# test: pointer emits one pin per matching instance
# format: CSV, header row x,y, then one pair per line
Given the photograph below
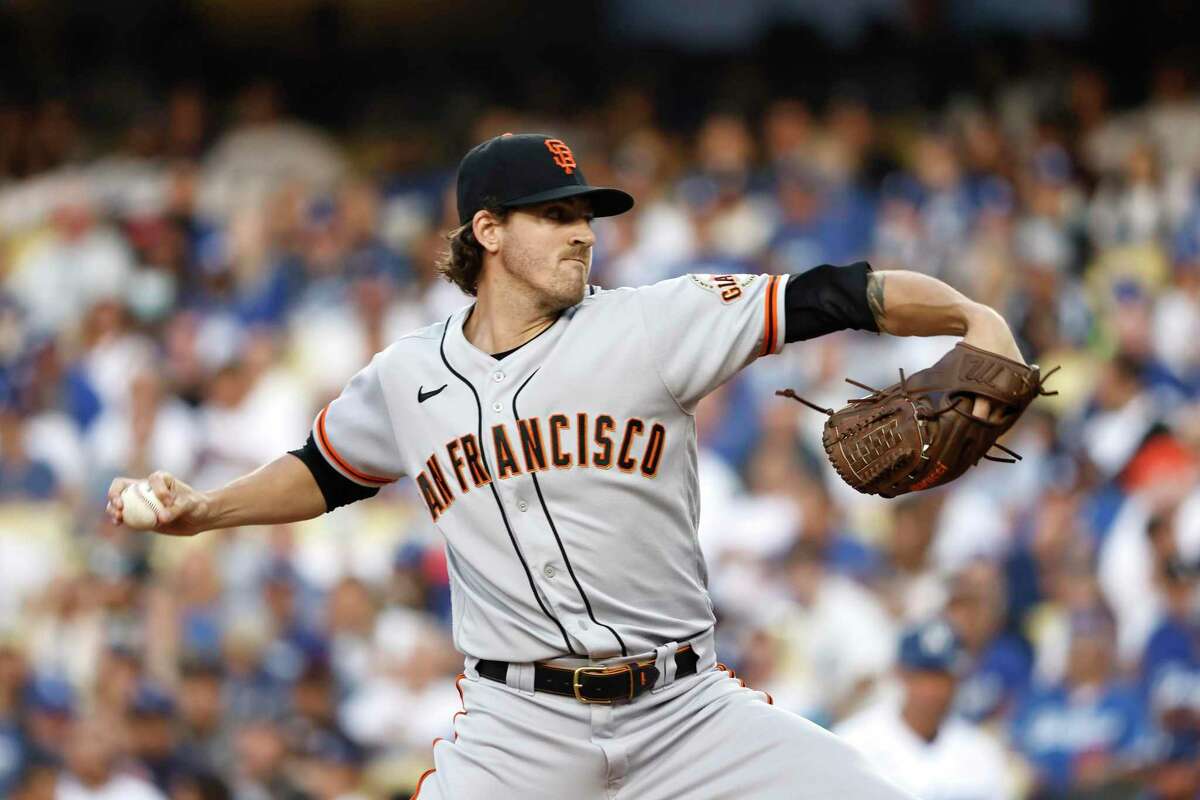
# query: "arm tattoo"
x,y
875,297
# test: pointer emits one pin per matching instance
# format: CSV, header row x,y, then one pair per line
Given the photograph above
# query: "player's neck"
x,y
502,321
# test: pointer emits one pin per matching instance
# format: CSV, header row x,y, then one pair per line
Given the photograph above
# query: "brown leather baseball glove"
x,y
920,432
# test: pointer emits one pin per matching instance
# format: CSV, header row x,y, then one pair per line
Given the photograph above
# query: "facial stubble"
x,y
554,286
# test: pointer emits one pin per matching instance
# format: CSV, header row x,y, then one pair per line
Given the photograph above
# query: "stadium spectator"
x,y
918,742
911,586
837,640
1085,732
21,477
261,768
38,780
404,703
153,744
205,738
332,769
12,679
1175,774
185,282
1175,640
350,614
49,706
200,786
1001,663
91,769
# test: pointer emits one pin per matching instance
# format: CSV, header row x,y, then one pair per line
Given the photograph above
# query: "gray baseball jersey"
x,y
563,476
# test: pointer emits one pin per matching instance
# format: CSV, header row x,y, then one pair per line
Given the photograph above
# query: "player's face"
x,y
548,249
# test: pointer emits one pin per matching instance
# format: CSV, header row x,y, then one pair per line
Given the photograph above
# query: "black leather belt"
x,y
595,684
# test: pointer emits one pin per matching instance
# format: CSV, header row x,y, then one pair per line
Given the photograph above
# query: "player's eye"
x,y
563,213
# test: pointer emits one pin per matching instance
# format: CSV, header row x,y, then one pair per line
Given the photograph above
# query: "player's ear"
x,y
486,227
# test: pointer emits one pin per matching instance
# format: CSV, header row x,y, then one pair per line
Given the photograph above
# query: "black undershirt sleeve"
x,y
826,299
337,489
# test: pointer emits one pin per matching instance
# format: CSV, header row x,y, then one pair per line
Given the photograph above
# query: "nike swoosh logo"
x,y
422,395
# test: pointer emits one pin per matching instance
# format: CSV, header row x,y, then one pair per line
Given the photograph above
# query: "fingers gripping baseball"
x,y
115,505
161,503
163,484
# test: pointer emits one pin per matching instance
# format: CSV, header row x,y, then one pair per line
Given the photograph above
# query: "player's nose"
x,y
582,234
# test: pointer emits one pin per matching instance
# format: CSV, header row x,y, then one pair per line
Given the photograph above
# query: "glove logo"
x,y
932,478
981,371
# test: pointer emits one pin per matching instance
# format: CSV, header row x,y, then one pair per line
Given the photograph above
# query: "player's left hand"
x,y
987,330
912,436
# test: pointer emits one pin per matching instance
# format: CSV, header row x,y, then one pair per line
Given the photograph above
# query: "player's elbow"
x,y
975,314
920,305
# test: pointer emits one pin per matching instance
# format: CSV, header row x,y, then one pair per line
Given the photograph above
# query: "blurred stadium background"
x,y
212,213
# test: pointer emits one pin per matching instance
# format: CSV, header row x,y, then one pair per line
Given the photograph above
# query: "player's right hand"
x,y
184,508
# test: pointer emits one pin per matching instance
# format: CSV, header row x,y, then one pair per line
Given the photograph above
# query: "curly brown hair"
x,y
462,260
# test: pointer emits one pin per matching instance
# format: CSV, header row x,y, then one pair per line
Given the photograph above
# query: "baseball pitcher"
x,y
549,429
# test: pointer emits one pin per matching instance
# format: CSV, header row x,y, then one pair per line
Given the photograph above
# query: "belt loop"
x,y
469,668
520,677
664,662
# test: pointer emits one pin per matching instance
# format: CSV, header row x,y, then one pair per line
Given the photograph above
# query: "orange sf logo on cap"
x,y
563,156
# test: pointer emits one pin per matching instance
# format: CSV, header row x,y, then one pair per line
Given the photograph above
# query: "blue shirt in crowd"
x,y
1057,728
1000,674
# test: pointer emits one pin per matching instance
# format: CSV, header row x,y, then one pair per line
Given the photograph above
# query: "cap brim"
x,y
606,202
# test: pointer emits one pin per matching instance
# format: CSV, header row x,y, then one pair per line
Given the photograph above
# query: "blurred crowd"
x,y
186,294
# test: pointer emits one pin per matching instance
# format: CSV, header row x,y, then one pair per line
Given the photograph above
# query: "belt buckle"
x,y
576,685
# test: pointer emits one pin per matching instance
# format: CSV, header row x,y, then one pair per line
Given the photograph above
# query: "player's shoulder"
x,y
726,289
597,296
598,301
417,343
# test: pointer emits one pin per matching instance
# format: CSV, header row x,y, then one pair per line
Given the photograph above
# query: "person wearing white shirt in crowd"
x,y
69,265
915,741
90,772
836,640
153,427
402,703
332,769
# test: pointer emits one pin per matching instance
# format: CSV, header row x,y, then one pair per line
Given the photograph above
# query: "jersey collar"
x,y
456,338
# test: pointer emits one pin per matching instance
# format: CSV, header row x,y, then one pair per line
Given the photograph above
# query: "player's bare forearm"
x,y
281,491
911,304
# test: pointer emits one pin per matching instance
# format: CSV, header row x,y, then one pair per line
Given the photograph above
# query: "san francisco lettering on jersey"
x,y
561,441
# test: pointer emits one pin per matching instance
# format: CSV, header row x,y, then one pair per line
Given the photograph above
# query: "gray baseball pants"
x,y
701,737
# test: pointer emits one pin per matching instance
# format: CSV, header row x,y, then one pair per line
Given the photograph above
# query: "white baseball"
x,y
140,508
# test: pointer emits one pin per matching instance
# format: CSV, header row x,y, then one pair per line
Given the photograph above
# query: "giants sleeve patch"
x,y
727,287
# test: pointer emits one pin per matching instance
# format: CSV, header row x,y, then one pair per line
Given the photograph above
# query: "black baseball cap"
x,y
524,169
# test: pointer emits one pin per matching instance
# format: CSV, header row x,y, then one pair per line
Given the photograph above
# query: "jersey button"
x,y
497,376
548,571
497,407
523,505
